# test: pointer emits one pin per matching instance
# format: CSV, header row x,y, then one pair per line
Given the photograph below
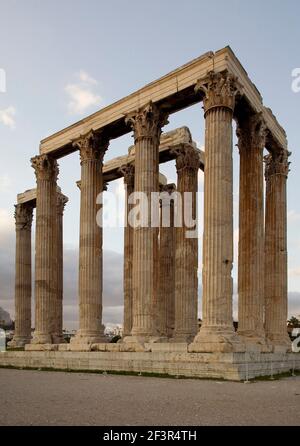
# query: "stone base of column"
x,y
253,340
138,343
41,347
41,338
216,339
88,337
58,339
279,343
19,341
182,337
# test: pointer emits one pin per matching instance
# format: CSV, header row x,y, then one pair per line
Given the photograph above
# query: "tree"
x,y
294,322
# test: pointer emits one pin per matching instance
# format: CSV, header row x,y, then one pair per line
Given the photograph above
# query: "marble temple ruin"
x,y
160,328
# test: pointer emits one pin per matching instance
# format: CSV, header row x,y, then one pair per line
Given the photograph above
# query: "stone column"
x,y
217,332
58,307
128,173
276,172
23,217
251,132
146,124
92,147
166,268
186,258
46,171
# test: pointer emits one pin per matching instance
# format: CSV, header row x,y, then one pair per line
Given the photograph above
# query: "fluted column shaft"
x,y
128,172
217,333
186,257
92,148
166,267
58,305
251,133
277,168
146,124
46,171
23,217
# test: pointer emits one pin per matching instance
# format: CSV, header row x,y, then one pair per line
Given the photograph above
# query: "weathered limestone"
x,y
165,306
217,333
128,173
58,306
46,171
186,257
229,366
276,172
160,286
146,123
251,132
92,147
23,217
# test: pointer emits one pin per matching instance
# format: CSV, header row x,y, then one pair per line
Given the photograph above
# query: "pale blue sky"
x,y
65,59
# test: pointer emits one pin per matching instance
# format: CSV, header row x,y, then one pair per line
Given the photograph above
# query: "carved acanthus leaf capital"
x,y
92,146
252,133
147,122
127,170
167,190
23,216
61,202
187,157
220,90
277,164
45,167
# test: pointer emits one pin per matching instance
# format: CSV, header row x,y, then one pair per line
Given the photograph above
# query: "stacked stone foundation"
x,y
172,360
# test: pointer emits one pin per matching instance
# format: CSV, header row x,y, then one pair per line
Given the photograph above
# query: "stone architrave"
x,y
217,332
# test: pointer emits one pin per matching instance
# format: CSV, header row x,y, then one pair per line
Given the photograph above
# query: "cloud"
x,y
293,216
294,272
5,183
6,224
7,117
85,77
81,94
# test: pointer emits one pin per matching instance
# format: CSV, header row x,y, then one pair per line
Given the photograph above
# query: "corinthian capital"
x,y
23,216
62,200
147,122
220,90
186,158
251,132
170,188
277,164
45,167
92,146
127,170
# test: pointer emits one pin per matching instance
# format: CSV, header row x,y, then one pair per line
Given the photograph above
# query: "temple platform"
x,y
177,362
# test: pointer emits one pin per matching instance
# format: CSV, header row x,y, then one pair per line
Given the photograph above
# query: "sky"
x,y
64,59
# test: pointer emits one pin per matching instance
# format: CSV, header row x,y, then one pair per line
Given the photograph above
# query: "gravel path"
x,y
58,398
